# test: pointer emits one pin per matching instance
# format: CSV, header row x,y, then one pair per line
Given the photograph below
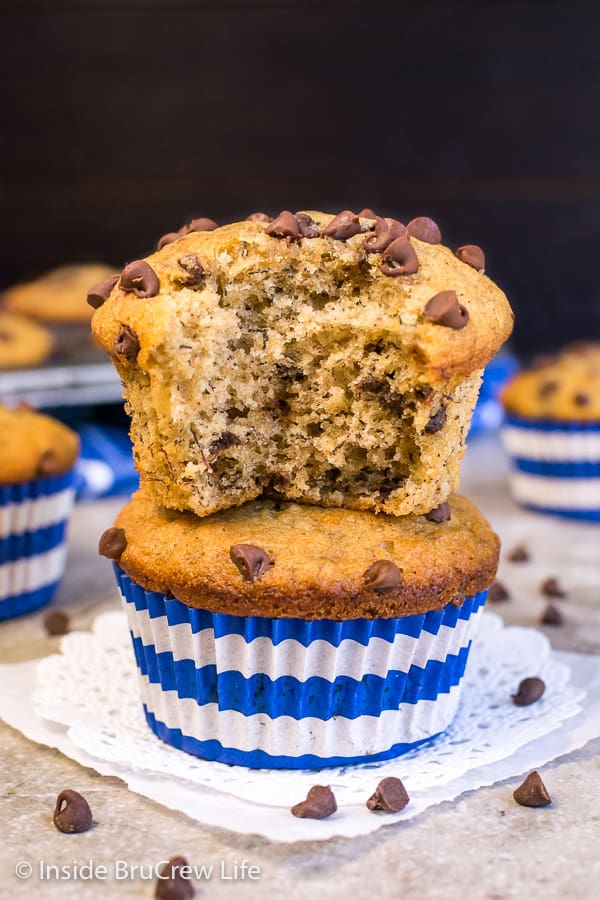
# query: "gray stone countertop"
x,y
481,845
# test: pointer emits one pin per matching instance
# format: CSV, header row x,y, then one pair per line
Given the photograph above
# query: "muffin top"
x,y
22,342
435,304
565,387
288,560
33,445
59,295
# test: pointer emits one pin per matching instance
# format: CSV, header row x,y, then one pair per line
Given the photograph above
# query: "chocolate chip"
x,y
252,562
529,690
224,442
343,226
139,278
532,792
367,213
49,464
552,588
498,593
444,309
168,238
284,226
552,615
72,813
319,803
424,229
200,224
399,258
441,513
436,421
56,622
519,554
383,576
472,255
194,271
259,217
390,796
127,343
171,883
112,543
100,291
386,231
547,388
308,226
581,399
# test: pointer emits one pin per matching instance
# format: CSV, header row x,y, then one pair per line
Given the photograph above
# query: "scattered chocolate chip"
x,y
498,593
139,278
224,442
343,226
319,803
49,464
529,690
436,421
390,796
72,813
424,229
519,554
284,226
386,231
444,309
441,513
112,543
171,884
252,562
383,576
532,792
259,217
308,226
127,343
472,255
552,588
194,271
547,388
552,615
367,213
56,622
399,258
581,399
100,291
168,238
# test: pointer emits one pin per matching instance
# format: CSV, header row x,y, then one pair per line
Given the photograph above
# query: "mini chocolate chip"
x,y
390,796
127,343
552,615
436,421
171,884
49,464
224,442
252,562
308,226
498,593
547,388
200,224
284,226
72,813
194,271
139,278
343,226
386,231
441,513
56,622
112,543
399,258
168,238
259,217
367,213
424,229
581,399
529,690
519,554
319,803
100,291
552,588
472,255
383,576
532,792
444,309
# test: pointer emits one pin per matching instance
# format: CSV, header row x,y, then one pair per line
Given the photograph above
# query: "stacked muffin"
x,y
301,588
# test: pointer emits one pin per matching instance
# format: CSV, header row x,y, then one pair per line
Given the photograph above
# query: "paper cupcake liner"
x,y
555,466
290,693
33,522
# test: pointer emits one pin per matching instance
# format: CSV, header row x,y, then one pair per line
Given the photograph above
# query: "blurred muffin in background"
x,y
552,433
22,342
59,296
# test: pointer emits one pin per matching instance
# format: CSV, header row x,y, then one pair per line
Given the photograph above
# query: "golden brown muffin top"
x,y
59,295
565,386
33,445
22,342
291,560
455,335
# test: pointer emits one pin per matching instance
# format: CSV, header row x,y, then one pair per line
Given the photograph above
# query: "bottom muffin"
x,y
301,637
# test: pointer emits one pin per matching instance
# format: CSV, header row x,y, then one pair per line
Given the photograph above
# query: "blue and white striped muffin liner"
x,y
555,466
33,523
296,694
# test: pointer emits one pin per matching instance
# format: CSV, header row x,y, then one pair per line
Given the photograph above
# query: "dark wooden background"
x,y
123,119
